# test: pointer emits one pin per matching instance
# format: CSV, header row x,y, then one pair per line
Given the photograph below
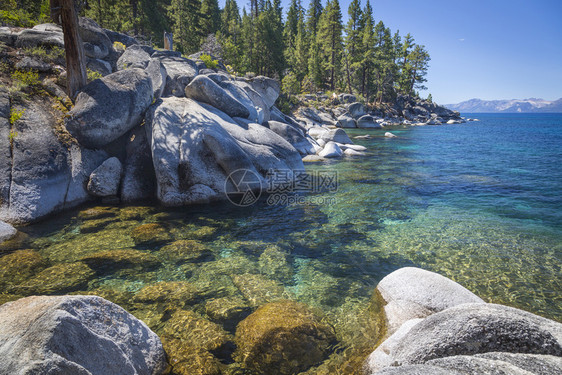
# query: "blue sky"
x,y
494,49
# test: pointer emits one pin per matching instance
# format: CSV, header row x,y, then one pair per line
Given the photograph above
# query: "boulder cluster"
x,y
436,326
155,125
345,111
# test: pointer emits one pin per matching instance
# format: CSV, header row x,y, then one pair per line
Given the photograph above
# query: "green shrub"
x,y
118,46
15,116
93,75
26,78
52,55
209,62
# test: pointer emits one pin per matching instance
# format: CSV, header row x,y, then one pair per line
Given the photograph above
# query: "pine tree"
x,y
330,41
313,16
418,64
353,43
299,62
185,16
368,51
404,65
210,17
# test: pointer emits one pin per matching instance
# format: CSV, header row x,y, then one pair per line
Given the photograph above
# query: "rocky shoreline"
x,y
160,125
433,326
193,124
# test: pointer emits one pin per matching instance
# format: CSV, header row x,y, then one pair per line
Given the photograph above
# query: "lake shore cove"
x,y
155,125
433,326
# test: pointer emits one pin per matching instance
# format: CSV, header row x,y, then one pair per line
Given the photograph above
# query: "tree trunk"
x,y
348,74
75,58
55,11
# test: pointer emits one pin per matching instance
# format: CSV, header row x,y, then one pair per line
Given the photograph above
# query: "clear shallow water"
x,y
479,202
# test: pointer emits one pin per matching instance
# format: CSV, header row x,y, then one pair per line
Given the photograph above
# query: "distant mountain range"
x,y
531,105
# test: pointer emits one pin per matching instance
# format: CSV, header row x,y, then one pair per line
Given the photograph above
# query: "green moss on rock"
x,y
284,337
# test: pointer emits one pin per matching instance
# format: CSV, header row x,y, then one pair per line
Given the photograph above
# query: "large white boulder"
x,y
109,107
331,150
75,335
195,147
411,292
205,90
467,330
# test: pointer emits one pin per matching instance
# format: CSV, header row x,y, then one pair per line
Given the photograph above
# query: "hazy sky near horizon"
x,y
493,49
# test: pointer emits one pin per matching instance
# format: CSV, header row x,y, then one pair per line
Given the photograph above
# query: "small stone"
x,y
7,232
105,179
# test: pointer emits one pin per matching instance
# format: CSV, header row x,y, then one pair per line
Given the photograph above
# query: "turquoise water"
x,y
479,202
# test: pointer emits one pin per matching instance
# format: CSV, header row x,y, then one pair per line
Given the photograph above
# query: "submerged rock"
x,y
187,359
19,266
188,327
185,251
107,260
58,279
150,234
177,293
78,335
283,337
258,289
227,310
